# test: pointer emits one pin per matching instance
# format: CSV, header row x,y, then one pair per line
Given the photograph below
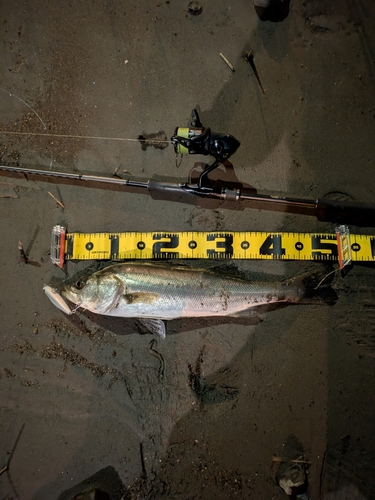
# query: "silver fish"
x,y
157,292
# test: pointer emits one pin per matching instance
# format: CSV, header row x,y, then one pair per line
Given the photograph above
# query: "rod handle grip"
x,y
346,212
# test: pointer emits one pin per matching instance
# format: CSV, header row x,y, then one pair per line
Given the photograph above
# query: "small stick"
x,y
115,174
279,459
3,470
6,468
227,62
157,354
249,57
56,200
22,253
144,472
19,67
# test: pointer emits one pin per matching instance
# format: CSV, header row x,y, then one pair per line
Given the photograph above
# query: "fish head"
x,y
83,292
98,293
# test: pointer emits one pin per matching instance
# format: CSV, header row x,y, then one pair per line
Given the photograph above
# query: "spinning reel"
x,y
197,139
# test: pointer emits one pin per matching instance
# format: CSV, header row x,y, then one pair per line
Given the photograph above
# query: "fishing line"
x,y
25,103
88,137
326,276
68,136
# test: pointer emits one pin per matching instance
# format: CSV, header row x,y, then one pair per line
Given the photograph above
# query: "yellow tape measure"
x,y
342,246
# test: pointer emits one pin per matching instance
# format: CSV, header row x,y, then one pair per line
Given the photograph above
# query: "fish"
x,y
154,292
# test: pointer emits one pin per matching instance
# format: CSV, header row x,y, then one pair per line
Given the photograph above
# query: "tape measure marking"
x,y
214,245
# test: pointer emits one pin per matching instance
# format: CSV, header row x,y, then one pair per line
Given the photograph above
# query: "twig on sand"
x,y
17,70
6,468
227,62
279,459
157,354
24,257
3,470
15,445
249,57
56,200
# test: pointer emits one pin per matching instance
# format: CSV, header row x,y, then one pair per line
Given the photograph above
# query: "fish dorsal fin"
x,y
153,326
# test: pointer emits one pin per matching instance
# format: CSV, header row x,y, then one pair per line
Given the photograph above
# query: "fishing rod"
x,y
197,139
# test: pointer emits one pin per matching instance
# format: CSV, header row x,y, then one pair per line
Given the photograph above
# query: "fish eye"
x,y
80,284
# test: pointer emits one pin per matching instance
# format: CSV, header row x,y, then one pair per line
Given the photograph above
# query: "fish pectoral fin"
x,y
153,326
